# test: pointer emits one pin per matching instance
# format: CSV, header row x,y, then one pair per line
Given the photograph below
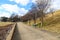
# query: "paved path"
x,y
24,32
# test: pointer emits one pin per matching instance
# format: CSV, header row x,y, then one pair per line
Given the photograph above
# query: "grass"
x,y
52,28
5,23
5,29
51,23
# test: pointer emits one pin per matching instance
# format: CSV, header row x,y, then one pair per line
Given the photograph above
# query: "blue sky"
x,y
21,7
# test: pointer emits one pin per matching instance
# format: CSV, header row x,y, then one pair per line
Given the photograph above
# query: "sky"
x,y
55,5
20,7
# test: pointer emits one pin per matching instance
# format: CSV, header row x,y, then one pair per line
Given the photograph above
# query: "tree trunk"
x,y
52,15
42,21
35,21
35,15
29,22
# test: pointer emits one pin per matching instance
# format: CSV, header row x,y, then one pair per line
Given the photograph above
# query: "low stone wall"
x,y
11,33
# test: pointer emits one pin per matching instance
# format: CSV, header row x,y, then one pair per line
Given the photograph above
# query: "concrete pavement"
x,y
24,32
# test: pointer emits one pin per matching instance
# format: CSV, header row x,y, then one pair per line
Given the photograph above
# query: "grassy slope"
x,y
53,24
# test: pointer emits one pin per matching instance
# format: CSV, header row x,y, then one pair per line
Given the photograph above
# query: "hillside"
x,y
52,23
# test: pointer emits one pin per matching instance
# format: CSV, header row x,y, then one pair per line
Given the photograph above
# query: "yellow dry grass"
x,y
54,26
52,23
5,23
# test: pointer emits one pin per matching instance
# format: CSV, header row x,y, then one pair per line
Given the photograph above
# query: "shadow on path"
x,y
16,34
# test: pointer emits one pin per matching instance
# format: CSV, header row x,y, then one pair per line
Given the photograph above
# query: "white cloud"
x,y
34,1
22,2
10,0
12,9
23,11
55,4
6,14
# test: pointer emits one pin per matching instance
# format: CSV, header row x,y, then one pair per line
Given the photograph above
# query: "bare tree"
x,y
34,13
42,5
14,18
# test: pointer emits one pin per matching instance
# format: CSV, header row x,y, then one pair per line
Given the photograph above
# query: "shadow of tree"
x,y
16,34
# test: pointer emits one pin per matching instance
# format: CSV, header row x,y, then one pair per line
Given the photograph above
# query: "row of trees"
x,y
38,10
12,18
